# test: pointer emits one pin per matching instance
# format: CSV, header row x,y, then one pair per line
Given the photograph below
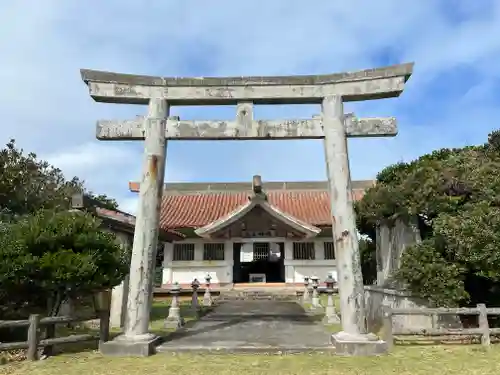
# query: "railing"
x,y
34,340
484,330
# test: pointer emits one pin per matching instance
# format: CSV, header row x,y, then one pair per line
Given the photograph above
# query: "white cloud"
x,y
87,157
45,106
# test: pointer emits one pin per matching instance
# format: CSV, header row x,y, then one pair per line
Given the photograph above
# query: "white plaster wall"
x,y
185,275
319,270
184,272
296,270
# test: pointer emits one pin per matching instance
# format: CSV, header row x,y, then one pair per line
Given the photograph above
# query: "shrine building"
x,y
272,232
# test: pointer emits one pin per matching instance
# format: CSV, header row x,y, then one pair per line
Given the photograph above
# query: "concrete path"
x,y
252,326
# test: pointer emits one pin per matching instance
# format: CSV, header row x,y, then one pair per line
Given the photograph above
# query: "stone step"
x,y
257,295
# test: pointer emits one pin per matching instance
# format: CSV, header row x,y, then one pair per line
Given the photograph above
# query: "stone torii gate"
x,y
333,125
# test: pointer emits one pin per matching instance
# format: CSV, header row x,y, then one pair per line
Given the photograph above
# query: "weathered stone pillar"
x,y
119,304
119,294
351,291
136,339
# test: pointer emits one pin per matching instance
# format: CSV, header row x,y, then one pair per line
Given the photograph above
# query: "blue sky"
x,y
452,99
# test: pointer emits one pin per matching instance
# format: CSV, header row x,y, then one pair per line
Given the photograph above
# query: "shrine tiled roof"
x,y
194,208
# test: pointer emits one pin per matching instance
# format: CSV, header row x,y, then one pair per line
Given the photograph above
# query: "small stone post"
x,y
315,296
174,319
306,297
207,297
331,316
195,306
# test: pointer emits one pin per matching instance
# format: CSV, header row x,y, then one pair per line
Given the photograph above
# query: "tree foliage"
x,y
455,193
49,252
368,260
50,255
28,184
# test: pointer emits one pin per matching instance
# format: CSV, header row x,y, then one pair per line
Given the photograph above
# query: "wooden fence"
x,y
484,330
34,340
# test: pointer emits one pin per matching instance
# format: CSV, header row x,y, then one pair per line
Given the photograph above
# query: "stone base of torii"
x,y
331,91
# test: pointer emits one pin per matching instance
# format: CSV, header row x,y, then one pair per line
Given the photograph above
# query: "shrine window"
x,y
213,251
183,252
304,251
329,250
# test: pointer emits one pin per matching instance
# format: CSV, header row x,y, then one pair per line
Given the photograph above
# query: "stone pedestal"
x,y
306,297
347,344
135,346
309,294
174,319
195,306
315,303
331,316
207,297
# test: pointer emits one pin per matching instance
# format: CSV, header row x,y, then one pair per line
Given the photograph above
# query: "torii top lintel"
x,y
379,83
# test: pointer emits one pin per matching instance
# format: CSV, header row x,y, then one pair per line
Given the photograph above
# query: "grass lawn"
x,y
159,312
403,360
442,360
323,299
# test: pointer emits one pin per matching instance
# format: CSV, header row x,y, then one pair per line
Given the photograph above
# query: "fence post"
x,y
104,307
387,335
104,315
483,324
50,333
33,337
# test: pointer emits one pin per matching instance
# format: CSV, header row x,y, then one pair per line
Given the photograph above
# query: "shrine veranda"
x,y
332,125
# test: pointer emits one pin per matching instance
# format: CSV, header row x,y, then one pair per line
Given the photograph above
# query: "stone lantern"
x,y
195,285
207,297
330,283
315,296
306,297
331,316
174,319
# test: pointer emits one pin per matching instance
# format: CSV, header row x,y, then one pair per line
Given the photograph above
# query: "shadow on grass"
x,y
158,314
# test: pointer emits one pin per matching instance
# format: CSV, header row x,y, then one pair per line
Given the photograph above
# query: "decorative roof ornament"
x,y
257,190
